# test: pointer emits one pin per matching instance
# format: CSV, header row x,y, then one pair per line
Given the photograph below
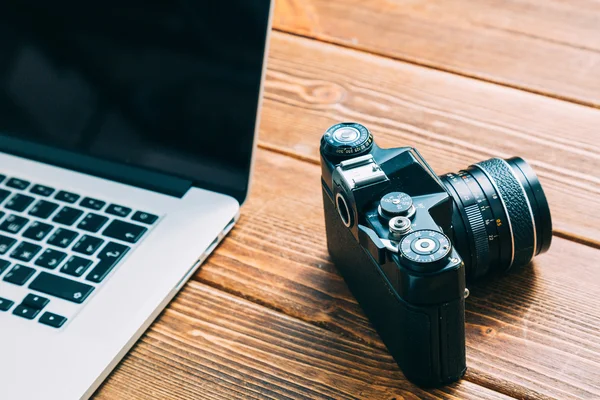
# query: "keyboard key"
x,y
62,238
117,210
37,230
113,251
35,301
19,274
17,183
94,204
53,320
50,258
67,216
67,197
3,266
60,287
26,312
4,194
19,202
92,222
6,243
124,231
88,245
109,256
2,177
25,251
144,217
5,304
13,224
42,190
43,209
76,266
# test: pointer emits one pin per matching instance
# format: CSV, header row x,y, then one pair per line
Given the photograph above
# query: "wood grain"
x,y
269,317
453,121
211,345
534,333
550,47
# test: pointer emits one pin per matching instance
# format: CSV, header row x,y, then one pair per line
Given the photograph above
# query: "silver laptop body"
x,y
127,132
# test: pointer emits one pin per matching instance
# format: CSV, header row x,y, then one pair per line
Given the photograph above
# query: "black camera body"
x,y
392,229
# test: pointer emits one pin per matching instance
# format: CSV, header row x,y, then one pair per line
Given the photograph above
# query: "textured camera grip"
x,y
514,199
428,343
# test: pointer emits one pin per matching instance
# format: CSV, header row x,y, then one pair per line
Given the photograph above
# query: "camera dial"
x,y
425,250
396,204
347,140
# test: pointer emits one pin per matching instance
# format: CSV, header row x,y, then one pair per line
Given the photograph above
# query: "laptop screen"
x,y
170,86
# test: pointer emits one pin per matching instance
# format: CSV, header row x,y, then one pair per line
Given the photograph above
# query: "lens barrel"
x,y
501,217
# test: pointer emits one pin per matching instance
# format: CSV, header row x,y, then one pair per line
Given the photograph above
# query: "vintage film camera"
x,y
406,240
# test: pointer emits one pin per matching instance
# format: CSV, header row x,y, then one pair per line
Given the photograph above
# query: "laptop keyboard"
x,y
59,246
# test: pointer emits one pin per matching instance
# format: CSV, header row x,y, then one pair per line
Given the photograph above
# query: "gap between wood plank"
x,y
311,160
506,388
476,377
536,37
422,64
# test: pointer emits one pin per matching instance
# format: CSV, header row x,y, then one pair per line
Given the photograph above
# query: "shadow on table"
x,y
498,301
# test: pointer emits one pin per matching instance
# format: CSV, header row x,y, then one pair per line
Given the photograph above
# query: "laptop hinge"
x,y
114,171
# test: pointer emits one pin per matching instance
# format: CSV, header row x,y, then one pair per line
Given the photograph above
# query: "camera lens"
x,y
501,217
347,140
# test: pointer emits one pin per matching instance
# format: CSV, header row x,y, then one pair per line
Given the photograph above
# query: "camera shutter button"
x,y
396,204
399,226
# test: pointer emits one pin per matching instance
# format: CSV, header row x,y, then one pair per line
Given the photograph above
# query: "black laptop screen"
x,y
171,86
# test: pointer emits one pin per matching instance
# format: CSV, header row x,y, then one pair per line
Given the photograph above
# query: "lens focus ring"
x,y
482,248
518,209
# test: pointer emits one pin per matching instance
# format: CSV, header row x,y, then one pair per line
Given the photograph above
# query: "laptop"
x,y
127,132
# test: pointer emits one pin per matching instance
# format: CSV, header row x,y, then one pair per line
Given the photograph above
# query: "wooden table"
x,y
268,316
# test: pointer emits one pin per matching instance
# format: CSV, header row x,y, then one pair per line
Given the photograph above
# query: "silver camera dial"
x,y
425,249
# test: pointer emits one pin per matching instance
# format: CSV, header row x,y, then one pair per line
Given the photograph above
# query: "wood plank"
x,y
533,334
453,121
549,46
211,345
530,334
